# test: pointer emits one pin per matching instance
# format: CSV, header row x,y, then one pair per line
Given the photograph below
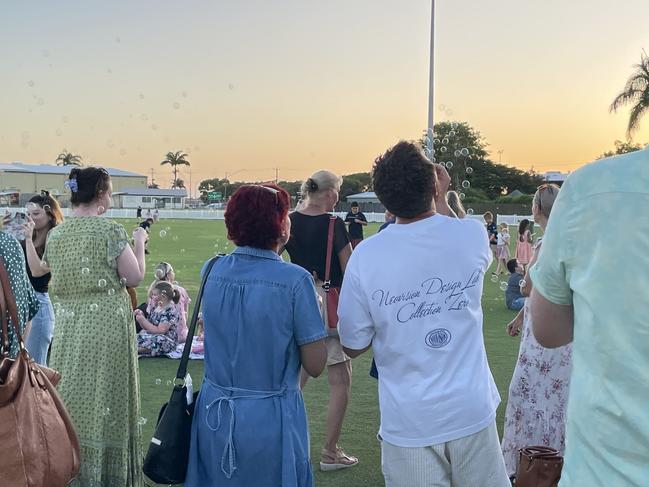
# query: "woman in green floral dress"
x,y
94,344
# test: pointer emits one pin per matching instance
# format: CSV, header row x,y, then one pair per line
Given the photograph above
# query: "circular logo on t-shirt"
x,y
438,338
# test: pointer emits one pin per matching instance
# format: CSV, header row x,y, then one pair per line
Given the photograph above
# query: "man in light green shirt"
x,y
592,281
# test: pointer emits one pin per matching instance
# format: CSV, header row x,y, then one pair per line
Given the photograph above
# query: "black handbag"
x,y
168,454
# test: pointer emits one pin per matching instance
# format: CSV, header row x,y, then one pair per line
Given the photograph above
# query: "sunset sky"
x,y
249,86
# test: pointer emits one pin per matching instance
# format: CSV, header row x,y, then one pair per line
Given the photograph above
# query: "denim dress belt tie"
x,y
228,459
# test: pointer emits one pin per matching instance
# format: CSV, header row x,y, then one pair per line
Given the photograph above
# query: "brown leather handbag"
x,y
538,466
38,444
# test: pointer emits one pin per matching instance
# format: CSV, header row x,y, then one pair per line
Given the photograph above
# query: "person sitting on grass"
x,y
513,297
165,272
158,335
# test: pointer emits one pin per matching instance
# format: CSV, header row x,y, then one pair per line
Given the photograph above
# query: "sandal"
x,y
337,460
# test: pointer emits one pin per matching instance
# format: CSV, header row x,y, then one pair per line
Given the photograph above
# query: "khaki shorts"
x,y
335,354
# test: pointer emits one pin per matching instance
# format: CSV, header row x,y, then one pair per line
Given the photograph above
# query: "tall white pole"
x,y
431,79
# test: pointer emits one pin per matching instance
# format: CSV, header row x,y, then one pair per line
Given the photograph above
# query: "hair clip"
x,y
72,185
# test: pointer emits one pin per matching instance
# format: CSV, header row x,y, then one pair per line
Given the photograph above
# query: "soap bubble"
x,y
169,383
426,140
122,281
111,292
176,105
503,286
449,165
443,149
469,211
59,132
182,251
454,125
230,86
427,152
464,151
102,283
85,271
456,153
466,184
101,209
40,101
167,228
442,107
522,283
462,196
175,238
105,412
494,278
163,233
445,140
94,307
85,260
158,382
469,170
451,133
141,421
31,83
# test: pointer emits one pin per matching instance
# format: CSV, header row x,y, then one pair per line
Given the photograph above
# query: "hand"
x,y
140,235
28,228
356,220
443,180
513,328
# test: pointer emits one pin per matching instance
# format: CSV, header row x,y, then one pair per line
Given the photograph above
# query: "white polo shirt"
x,y
414,292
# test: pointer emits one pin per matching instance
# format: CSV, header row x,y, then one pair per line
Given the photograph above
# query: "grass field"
x,y
187,244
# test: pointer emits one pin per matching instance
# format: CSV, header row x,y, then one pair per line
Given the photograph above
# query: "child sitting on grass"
x,y
513,297
158,335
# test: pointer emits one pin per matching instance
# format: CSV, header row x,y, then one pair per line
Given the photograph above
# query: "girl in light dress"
x,y
159,330
502,249
165,273
524,243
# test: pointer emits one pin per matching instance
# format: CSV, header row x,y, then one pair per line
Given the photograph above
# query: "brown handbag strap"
x,y
330,250
539,452
8,307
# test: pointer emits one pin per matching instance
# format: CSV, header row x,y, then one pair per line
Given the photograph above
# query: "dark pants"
x,y
355,242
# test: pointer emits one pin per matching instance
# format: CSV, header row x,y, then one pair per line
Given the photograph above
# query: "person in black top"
x,y
492,232
146,224
307,248
139,212
43,214
355,220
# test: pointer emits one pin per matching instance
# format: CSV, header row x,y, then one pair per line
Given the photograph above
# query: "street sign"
x,y
214,196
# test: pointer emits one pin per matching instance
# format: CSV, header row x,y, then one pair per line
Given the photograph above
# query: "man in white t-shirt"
x,y
420,311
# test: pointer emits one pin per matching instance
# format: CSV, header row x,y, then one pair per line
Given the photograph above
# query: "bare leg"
x,y
340,382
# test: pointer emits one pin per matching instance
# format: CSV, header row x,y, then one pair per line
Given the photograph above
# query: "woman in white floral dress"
x,y
538,392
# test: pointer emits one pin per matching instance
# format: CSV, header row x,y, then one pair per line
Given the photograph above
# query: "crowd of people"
x,y
579,383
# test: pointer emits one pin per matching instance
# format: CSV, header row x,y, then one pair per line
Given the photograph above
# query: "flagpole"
x,y
431,80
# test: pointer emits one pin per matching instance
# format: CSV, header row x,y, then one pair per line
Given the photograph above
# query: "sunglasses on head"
x,y
540,189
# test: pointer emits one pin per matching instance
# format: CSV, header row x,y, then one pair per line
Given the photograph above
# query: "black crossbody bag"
x,y
168,454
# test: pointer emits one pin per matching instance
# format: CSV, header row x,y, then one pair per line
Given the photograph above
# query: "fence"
x,y
373,217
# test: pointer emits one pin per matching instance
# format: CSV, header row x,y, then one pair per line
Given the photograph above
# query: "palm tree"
x,y
635,93
178,183
174,160
68,159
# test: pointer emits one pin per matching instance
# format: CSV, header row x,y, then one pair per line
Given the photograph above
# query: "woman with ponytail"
x,y
159,335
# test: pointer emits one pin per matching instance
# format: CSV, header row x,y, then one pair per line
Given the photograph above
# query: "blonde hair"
x,y
166,289
455,203
544,198
319,182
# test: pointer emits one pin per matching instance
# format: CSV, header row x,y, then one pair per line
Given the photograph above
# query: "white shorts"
x,y
472,461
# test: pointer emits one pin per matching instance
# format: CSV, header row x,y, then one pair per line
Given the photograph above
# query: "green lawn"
x,y
187,244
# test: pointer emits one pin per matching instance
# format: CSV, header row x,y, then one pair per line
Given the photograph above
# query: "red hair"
x,y
255,214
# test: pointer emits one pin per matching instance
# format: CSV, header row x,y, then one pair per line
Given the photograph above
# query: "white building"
x,y
150,198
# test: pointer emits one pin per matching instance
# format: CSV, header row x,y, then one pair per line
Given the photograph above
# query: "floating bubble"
x,y
464,151
111,292
167,228
169,383
443,149
230,86
454,125
94,307
462,196
427,152
40,101
469,170
451,133
158,382
65,119
25,135
141,96
105,412
426,140
466,184
85,260
469,211
503,286
522,283
182,251
184,94
101,283
445,140
449,113
141,421
85,271
449,165
154,127
175,238
70,314
436,142
494,278
456,153
31,83
144,116
176,105
109,71
46,53
163,233
442,107
101,209
122,281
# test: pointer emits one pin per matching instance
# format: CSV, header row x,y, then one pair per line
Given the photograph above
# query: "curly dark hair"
x,y
90,182
255,214
404,180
